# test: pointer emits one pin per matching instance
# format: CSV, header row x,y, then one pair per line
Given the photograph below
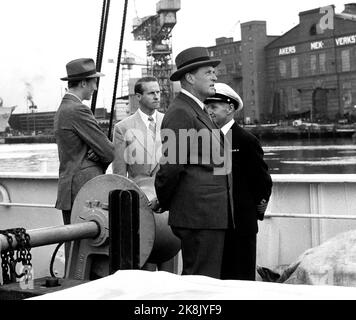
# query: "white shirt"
x,y
201,104
144,117
227,126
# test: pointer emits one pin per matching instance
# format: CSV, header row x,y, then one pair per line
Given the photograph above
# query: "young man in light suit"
x,y
198,199
137,138
137,142
84,150
252,185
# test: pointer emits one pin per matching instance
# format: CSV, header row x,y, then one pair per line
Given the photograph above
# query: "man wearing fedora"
x,y
197,198
252,185
84,151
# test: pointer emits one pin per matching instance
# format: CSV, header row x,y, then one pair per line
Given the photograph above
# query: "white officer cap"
x,y
225,93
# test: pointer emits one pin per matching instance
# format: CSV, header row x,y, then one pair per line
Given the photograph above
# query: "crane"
x,y
156,31
129,60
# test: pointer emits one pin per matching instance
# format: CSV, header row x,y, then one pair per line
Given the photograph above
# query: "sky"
x,y
38,38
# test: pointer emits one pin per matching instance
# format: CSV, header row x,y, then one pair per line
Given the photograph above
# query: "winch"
x,y
112,228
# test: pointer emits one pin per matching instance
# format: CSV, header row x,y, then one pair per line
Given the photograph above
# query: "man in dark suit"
x,y
84,151
188,183
252,185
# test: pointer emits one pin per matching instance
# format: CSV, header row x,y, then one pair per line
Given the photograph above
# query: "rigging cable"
x,y
117,68
100,52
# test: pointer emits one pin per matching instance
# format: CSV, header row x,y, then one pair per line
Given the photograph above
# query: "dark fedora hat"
x,y
190,59
80,69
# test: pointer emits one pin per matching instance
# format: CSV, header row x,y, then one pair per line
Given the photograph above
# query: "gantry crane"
x,y
156,30
129,60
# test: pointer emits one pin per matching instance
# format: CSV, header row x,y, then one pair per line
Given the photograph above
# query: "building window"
x,y
296,100
345,60
322,62
211,53
313,64
282,68
295,67
312,30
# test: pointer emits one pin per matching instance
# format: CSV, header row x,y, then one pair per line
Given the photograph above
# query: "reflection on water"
x,y
282,156
311,156
29,158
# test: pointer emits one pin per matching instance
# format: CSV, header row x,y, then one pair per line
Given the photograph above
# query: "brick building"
x,y
311,69
243,67
308,72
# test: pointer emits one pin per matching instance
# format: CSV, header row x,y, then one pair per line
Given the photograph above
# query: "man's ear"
x,y
189,78
231,108
138,96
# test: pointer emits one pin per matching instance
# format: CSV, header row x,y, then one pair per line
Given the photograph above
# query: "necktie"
x,y
152,126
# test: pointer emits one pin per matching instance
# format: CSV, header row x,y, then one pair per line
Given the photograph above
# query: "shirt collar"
x,y
201,104
227,126
144,117
74,95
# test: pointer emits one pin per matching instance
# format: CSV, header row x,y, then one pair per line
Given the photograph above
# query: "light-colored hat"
x,y
225,93
80,69
190,59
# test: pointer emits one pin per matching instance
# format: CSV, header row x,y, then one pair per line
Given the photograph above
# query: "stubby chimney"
x,y
350,8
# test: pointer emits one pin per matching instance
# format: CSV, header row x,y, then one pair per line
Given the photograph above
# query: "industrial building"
x,y
311,69
243,65
308,72
42,122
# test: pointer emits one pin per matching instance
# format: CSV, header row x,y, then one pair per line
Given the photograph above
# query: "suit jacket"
x,y
76,131
251,180
136,152
195,197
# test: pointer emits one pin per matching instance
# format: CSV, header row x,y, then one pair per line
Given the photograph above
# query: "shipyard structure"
x,y
307,73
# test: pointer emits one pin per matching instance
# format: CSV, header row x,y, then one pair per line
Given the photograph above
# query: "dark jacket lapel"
x,y
202,116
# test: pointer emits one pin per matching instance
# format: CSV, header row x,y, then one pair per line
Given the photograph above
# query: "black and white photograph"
x,y
177,151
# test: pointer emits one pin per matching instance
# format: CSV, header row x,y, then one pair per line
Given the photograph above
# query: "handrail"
x,y
310,216
267,215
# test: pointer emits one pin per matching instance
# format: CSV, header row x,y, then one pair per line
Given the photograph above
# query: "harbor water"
x,y
314,156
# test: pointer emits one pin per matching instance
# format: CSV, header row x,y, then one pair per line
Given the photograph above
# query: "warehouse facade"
x,y
307,73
